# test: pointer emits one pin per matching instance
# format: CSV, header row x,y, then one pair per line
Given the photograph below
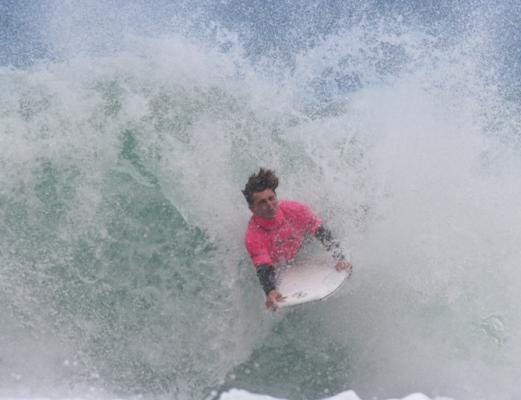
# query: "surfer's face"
x,y
265,204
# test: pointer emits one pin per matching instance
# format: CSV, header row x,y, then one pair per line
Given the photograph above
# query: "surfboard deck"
x,y
308,282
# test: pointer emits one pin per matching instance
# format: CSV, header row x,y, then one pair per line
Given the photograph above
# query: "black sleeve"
x,y
331,244
266,274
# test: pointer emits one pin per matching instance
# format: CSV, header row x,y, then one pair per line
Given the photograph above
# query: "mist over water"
x,y
127,131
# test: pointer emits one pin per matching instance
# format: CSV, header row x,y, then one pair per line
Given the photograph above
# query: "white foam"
x,y
237,394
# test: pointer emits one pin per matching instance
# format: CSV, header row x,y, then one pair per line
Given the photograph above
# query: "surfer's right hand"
x,y
272,298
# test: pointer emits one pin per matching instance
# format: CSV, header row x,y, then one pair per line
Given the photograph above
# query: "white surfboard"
x,y
308,282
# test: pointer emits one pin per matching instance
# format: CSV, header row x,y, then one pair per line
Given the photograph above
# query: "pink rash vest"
x,y
270,241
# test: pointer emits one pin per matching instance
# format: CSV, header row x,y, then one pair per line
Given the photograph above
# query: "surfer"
x,y
277,229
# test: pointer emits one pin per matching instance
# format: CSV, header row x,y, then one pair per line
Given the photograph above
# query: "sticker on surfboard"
x,y
308,282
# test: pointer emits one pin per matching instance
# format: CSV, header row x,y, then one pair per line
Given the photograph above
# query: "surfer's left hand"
x,y
343,265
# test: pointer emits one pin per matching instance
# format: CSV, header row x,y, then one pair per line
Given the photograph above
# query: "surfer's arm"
x,y
333,246
329,242
266,274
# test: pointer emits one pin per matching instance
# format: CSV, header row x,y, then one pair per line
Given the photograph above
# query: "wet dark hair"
x,y
259,182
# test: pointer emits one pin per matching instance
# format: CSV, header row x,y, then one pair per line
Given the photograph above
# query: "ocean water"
x,y
127,130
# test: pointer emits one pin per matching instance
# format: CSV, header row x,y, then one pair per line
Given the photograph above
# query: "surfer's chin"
x,y
271,215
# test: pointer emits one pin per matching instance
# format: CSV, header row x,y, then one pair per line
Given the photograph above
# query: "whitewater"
x,y
128,129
